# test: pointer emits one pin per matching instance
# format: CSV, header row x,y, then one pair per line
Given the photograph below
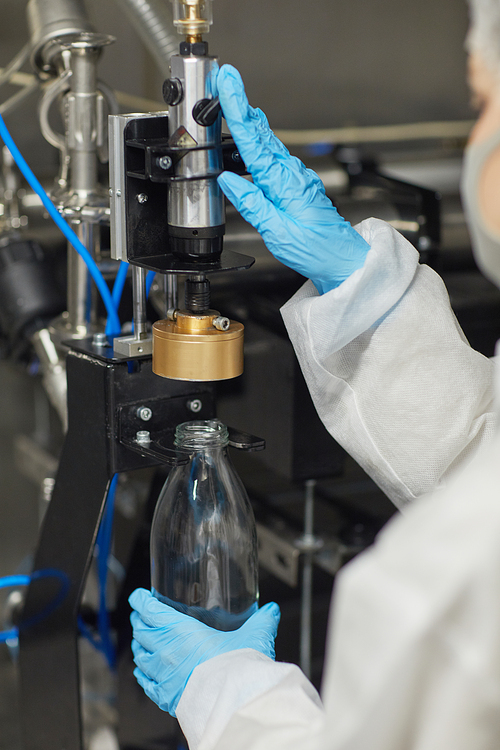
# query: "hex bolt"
x,y
164,162
99,339
144,413
143,437
195,405
222,324
141,198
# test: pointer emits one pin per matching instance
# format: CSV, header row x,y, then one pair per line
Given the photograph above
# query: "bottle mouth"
x,y
201,433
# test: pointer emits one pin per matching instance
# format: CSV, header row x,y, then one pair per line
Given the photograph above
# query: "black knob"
x,y
206,111
172,91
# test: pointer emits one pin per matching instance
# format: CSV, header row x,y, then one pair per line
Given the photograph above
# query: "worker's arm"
x,y
389,370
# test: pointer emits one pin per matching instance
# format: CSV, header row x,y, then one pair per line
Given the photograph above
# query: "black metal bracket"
x,y
150,165
105,401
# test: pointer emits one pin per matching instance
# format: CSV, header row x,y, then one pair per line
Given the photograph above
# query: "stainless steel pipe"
x,y
50,20
153,22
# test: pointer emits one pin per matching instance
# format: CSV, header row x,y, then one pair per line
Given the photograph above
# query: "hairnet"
x,y
484,32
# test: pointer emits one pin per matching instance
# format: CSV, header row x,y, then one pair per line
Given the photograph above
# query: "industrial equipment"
x,y
120,393
167,215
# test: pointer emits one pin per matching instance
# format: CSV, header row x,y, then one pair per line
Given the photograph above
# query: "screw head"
x,y
143,437
141,198
195,405
164,162
236,157
221,323
144,413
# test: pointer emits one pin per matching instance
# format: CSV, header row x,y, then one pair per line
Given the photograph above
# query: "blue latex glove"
x,y
286,202
168,645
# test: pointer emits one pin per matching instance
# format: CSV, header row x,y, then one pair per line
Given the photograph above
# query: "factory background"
x,y
327,65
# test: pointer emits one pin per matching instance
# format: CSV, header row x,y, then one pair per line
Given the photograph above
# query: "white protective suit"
x,y
397,384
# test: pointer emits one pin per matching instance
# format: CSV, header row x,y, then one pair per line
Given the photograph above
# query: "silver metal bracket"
x,y
129,346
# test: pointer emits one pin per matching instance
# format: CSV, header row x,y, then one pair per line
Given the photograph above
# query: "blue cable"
x,y
104,644
113,327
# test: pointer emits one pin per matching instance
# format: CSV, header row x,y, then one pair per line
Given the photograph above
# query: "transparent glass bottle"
x,y
203,537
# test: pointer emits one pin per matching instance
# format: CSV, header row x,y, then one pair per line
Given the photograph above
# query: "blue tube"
x,y
113,327
18,580
150,276
120,279
6,635
7,582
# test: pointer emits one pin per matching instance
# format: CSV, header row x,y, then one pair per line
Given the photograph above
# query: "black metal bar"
x,y
48,658
100,392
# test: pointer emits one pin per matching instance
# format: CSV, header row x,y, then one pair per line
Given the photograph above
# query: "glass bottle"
x,y
203,537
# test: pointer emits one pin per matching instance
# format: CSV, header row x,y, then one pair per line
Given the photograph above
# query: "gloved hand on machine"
x,y
168,645
286,202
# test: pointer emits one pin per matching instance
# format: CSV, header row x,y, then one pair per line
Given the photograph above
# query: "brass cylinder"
x,y
191,348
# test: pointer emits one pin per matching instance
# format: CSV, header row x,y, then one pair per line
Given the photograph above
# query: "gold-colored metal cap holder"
x,y
191,347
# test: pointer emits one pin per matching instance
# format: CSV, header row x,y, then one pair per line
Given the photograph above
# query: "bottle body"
x,y
203,538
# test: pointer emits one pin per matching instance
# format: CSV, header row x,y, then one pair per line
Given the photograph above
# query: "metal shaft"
x,y
171,292
139,301
306,603
77,285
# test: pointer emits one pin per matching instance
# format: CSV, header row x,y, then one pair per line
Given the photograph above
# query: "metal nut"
x,y
143,437
164,162
144,413
141,198
195,405
100,339
222,324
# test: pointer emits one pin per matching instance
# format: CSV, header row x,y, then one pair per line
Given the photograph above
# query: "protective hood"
x,y
485,241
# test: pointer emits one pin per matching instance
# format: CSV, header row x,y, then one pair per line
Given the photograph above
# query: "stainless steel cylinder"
x,y
50,20
83,121
199,203
77,285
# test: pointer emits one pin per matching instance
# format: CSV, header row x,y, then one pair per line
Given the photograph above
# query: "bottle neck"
x,y
202,436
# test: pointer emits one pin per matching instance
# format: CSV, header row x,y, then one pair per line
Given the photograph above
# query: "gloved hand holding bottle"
x,y
286,202
168,645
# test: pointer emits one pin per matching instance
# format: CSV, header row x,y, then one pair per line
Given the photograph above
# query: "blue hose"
x,y
7,635
113,327
150,277
120,279
5,583
10,581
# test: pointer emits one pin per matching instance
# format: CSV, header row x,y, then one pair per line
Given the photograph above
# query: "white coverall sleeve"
x,y
389,369
413,658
